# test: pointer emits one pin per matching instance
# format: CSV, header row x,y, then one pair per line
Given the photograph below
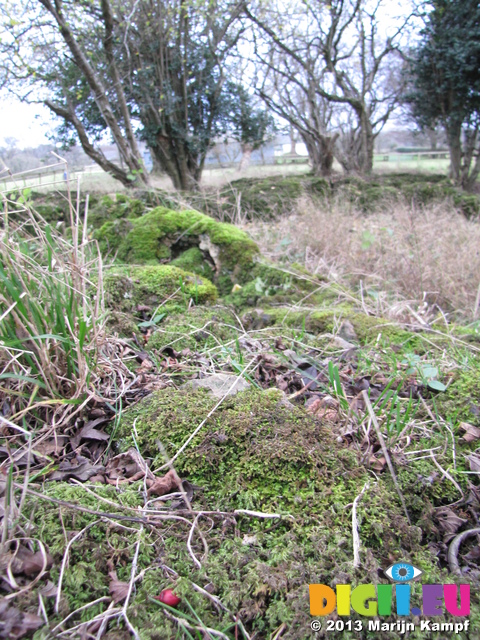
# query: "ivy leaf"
x,y
436,385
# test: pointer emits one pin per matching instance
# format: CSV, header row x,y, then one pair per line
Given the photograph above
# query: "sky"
x,y
27,123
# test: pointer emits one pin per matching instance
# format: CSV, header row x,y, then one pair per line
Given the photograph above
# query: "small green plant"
x,y
427,373
153,322
336,384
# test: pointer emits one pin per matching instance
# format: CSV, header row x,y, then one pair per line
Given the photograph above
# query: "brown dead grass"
x,y
428,255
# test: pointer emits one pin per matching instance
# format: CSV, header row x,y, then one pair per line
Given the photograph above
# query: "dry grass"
x,y
428,255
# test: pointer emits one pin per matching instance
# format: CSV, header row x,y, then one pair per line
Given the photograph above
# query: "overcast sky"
x,y
28,124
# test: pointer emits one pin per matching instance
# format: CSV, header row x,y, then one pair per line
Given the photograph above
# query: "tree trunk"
x,y
246,156
293,142
321,152
367,143
157,168
182,170
454,140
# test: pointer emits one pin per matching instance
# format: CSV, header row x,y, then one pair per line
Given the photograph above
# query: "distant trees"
x,y
445,82
331,71
247,121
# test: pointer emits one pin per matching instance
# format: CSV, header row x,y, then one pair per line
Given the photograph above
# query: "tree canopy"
x,y
445,82
152,70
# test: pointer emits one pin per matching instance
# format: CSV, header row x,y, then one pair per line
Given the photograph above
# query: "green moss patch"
x,y
198,329
259,453
128,287
163,235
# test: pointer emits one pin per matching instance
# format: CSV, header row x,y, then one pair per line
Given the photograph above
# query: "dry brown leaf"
x,y
326,408
50,447
35,563
50,590
377,464
117,589
449,522
79,468
14,624
161,486
128,466
471,433
474,462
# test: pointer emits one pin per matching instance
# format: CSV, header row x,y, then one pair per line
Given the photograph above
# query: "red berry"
x,y
168,597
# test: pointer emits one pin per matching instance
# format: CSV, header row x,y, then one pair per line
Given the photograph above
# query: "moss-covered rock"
x,y
273,284
200,328
193,260
259,453
163,235
128,287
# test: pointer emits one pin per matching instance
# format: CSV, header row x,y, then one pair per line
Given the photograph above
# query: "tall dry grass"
x,y
428,255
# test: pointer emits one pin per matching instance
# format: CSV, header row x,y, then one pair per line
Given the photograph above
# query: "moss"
x,y
256,452
194,260
266,198
461,399
200,328
117,207
163,235
327,319
122,324
127,287
272,284
109,235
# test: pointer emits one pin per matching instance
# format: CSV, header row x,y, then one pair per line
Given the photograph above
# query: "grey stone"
x,y
220,384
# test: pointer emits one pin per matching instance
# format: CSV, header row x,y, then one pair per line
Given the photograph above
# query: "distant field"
x,y
99,181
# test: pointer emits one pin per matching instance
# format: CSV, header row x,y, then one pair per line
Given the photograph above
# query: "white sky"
x,y
27,123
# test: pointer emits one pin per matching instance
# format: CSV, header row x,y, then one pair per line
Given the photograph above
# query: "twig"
x,y
385,452
184,623
85,606
447,475
428,410
356,537
454,548
189,543
130,587
65,560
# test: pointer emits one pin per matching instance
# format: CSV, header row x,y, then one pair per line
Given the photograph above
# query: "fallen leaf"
x,y
377,464
168,483
32,563
50,447
474,462
50,590
89,431
15,624
79,468
449,522
471,433
326,408
117,589
128,466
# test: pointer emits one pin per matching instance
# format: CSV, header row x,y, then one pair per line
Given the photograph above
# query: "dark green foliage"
x,y
251,125
445,81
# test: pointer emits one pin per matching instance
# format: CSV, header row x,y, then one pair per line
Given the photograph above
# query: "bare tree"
x,y
331,71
